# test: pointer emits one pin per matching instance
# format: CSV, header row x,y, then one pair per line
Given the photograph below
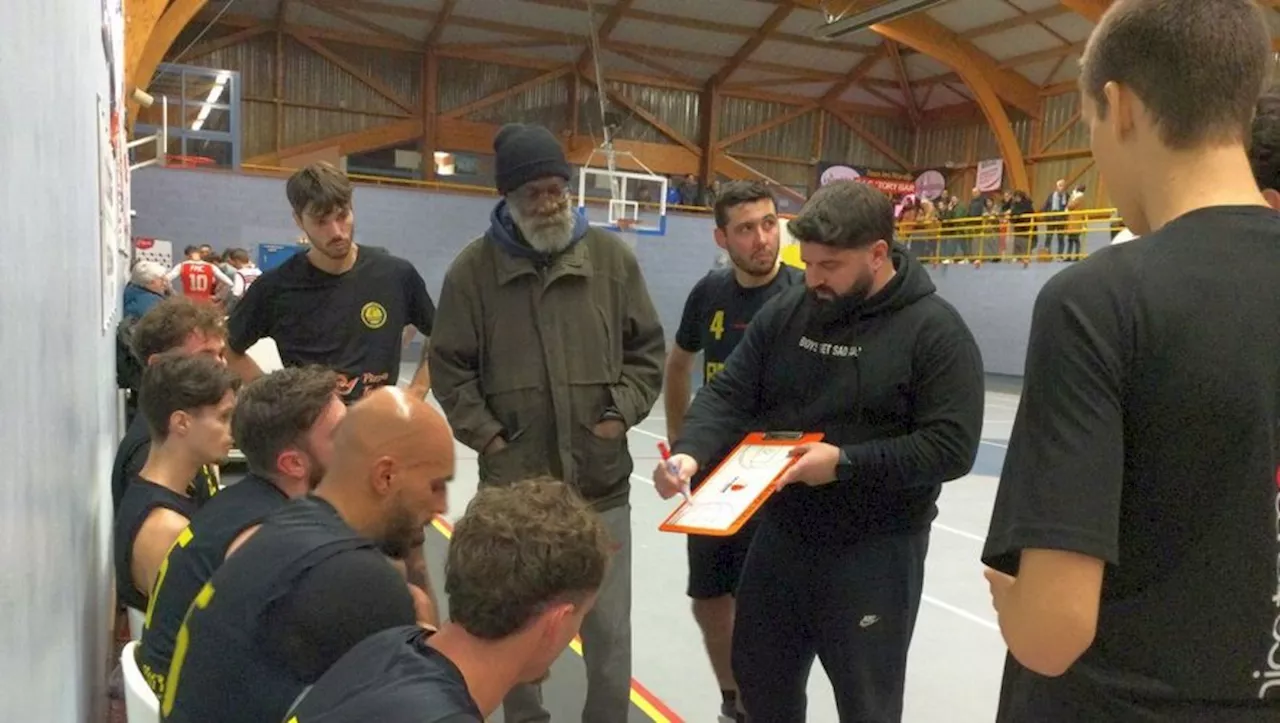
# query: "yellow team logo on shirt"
x,y
373,314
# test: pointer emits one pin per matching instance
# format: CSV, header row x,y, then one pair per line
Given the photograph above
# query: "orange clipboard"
x,y
738,486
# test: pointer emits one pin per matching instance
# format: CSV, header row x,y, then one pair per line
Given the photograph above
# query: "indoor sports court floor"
x,y
956,658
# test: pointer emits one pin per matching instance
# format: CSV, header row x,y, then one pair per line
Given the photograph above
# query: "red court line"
x,y
640,695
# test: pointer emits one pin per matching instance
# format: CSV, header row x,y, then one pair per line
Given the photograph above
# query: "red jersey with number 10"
x,y
198,280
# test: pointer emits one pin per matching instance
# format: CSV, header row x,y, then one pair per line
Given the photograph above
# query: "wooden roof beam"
x,y
157,42
899,69
1090,10
990,84
775,19
446,11
606,28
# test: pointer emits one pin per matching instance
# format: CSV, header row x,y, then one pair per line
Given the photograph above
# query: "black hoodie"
x,y
895,381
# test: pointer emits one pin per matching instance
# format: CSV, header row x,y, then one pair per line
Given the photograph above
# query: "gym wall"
x,y
226,209
57,393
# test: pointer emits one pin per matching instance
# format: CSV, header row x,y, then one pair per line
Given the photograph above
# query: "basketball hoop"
x,y
626,225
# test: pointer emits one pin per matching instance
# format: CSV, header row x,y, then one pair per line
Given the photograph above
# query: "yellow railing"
x,y
1034,236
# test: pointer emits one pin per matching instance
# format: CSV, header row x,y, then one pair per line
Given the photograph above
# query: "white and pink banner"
x,y
990,175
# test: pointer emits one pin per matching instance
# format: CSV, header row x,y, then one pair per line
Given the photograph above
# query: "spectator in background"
x,y
689,191
1076,225
1055,204
1023,228
146,288
1264,147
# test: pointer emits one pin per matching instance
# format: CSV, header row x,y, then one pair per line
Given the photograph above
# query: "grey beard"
x,y
548,236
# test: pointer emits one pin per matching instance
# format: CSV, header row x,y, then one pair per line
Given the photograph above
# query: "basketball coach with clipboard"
x,y
867,354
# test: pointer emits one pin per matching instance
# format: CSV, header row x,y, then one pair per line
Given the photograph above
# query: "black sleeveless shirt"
x,y
141,497
223,670
191,562
390,677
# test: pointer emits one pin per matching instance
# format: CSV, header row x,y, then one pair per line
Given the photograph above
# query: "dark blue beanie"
x,y
524,153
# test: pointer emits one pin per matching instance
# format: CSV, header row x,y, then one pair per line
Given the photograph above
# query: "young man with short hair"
x,y
1133,543
716,315
524,567
284,424
314,579
180,325
339,304
186,402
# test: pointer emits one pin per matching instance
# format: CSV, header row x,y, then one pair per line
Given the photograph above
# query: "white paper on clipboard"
x,y
734,487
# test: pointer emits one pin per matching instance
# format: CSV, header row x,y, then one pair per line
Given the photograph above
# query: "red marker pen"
x,y
672,470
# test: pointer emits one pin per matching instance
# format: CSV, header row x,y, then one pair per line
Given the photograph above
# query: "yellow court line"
x,y
640,697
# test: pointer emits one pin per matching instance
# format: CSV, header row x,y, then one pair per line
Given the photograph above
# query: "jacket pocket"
x,y
602,464
504,467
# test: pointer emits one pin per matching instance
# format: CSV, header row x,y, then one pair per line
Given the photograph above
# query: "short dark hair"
x,y
318,189
275,411
1197,66
1264,142
846,215
178,382
736,193
519,548
167,325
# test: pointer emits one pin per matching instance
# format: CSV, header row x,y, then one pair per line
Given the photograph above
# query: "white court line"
x,y
961,612
647,433
959,533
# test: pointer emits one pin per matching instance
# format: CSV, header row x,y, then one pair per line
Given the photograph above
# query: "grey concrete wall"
x,y
57,394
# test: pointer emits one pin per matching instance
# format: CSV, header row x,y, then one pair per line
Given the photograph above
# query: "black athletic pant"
x,y
852,607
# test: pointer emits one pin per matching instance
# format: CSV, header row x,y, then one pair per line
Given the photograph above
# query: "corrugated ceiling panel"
x,y
254,59
937,146
787,174
1058,109
793,139
396,69
545,105
464,81
632,127
313,79
843,145
257,128
304,125
676,108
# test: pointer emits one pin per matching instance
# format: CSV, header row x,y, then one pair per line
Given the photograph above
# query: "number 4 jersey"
x,y
718,310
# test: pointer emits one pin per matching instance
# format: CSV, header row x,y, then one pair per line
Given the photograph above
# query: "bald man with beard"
x,y
315,578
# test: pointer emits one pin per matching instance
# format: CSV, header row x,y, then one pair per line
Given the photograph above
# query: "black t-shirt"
x,y
131,457
391,677
282,609
352,323
718,310
1149,437
199,551
140,499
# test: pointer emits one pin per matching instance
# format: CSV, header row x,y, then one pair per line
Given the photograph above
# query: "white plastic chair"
x,y
140,702
136,620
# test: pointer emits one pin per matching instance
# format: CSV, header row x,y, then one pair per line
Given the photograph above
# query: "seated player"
x,y
524,567
314,579
284,423
187,403
174,325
